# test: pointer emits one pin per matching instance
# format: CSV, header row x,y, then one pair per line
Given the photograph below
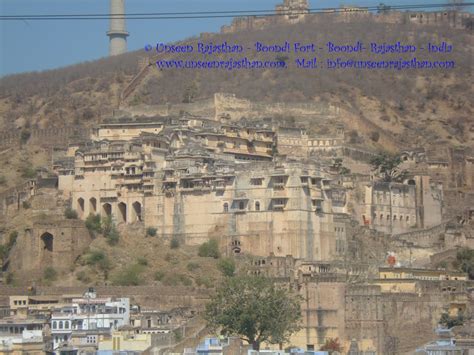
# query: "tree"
x,y
209,249
449,322
227,267
465,261
150,231
93,223
387,168
69,213
255,309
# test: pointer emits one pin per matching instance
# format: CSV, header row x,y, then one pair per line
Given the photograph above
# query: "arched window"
x,y
55,325
226,207
394,217
257,206
60,324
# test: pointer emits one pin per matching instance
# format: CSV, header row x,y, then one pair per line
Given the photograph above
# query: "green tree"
x,y
465,261
150,231
3,180
130,276
25,136
255,309
69,213
93,223
387,168
449,322
227,267
98,259
50,274
209,249
174,244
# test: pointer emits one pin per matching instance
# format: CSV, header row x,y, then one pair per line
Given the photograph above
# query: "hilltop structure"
x,y
260,188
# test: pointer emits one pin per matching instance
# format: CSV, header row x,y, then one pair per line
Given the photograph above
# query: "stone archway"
x,y
92,205
47,248
122,212
137,212
80,206
106,210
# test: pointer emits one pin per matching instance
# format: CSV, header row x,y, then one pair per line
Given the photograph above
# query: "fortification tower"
x,y
117,32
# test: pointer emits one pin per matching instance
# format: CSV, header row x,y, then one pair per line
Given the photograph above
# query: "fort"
x,y
294,11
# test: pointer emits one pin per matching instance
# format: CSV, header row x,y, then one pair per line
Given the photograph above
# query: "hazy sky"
x,y
39,45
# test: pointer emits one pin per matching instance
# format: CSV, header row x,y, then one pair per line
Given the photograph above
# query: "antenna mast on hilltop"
x,y
117,32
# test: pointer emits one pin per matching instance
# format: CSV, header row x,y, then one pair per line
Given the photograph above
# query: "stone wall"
x,y
160,297
46,138
11,200
55,244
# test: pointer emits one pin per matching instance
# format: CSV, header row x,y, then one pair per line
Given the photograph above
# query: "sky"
x,y
40,45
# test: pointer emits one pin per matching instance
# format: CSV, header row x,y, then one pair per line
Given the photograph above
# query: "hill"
x,y
419,107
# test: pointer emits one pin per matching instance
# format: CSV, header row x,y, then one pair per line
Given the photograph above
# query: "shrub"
x,y
172,259
142,261
159,275
27,172
227,267
69,213
3,180
10,278
449,322
465,261
113,236
131,276
171,280
176,279
26,205
192,266
50,274
174,243
204,281
97,258
93,223
178,336
186,281
375,136
150,231
209,249
83,277
25,136
12,240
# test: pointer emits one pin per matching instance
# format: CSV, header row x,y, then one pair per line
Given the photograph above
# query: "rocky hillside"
x,y
422,107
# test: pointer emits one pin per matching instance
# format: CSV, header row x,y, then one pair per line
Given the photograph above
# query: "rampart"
x,y
12,199
46,138
162,297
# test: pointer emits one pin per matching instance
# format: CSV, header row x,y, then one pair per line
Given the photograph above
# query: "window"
x,y
226,207
60,324
55,325
241,205
257,206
